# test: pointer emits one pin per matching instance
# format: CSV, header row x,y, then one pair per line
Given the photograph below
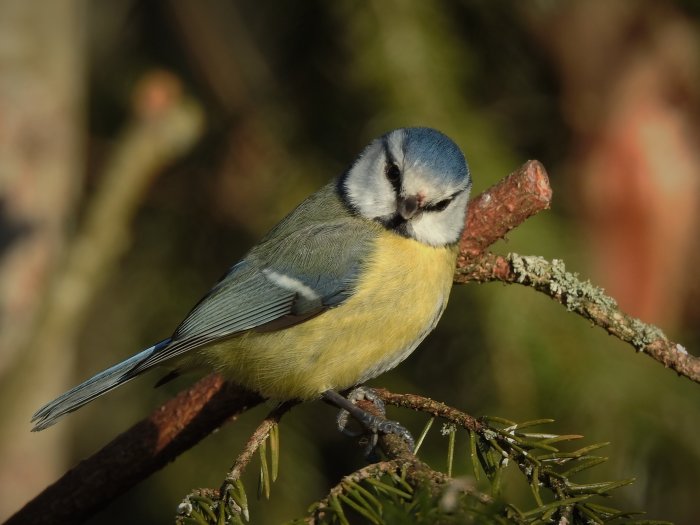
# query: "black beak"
x,y
407,207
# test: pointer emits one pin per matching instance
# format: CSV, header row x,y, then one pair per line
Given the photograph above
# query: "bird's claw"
x,y
373,424
360,393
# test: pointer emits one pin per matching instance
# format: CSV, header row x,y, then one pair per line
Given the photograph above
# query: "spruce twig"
x,y
231,500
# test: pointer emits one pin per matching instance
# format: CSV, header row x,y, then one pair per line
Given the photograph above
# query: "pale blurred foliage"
x,y
604,93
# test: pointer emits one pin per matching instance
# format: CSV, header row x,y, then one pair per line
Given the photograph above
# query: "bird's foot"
x,y
374,424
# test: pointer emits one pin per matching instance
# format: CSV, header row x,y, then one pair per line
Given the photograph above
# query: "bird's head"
x,y
414,181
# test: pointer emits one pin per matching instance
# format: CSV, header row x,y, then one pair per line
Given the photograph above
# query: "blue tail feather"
x,y
93,388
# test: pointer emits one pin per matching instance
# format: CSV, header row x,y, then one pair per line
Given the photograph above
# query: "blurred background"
x,y
145,146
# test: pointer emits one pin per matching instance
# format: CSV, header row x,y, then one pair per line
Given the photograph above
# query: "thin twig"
x,y
510,445
416,472
373,470
585,299
226,496
436,408
255,440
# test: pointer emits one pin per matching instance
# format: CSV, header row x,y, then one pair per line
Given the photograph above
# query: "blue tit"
x,y
342,289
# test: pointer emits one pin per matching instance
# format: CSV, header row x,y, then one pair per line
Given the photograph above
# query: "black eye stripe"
x,y
441,205
438,206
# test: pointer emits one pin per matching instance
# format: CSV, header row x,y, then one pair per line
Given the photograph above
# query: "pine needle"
x,y
424,433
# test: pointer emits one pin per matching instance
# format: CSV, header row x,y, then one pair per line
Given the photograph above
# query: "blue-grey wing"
x,y
283,281
243,299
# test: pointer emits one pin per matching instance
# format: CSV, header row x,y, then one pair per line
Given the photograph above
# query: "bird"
x,y
343,289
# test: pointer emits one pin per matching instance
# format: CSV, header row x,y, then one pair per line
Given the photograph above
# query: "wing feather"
x,y
309,263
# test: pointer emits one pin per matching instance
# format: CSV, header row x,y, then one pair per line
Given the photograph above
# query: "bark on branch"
x,y
134,455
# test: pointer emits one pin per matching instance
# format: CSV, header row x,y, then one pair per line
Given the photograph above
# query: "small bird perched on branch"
x,y
342,289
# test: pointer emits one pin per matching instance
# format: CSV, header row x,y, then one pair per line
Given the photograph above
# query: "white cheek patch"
x,y
370,194
290,283
444,227
432,231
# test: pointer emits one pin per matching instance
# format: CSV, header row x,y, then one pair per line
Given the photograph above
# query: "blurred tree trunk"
x,y
630,74
41,143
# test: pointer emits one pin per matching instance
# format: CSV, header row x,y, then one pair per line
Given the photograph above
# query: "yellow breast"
x,y
400,296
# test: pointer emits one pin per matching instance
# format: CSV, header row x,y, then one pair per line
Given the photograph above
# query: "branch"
x,y
230,502
134,455
504,206
400,462
494,444
585,299
254,442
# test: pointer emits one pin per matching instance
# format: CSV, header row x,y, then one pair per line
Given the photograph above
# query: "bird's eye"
x,y
439,206
393,173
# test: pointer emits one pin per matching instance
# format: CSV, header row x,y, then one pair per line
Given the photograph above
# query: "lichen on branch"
x,y
583,298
